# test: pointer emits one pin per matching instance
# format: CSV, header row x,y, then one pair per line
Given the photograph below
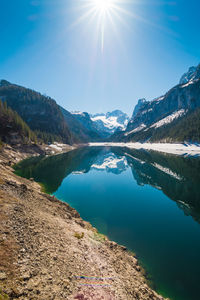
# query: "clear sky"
x,y
55,47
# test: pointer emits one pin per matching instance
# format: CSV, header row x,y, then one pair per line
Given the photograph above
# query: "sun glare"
x,y
102,5
106,14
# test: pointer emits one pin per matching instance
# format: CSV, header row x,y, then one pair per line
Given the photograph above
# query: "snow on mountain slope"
x,y
77,113
169,119
139,128
110,123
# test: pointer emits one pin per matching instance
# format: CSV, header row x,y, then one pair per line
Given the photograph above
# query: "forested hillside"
x,y
82,128
13,129
186,128
41,113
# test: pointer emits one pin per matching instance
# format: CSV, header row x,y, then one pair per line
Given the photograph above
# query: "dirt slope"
x,y
48,252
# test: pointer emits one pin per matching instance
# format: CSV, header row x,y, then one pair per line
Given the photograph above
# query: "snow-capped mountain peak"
x,y
110,121
192,74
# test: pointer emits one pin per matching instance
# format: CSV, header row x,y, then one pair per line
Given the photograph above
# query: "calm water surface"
x,y
147,201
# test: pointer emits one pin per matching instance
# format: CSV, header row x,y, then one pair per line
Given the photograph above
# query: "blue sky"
x,y
152,45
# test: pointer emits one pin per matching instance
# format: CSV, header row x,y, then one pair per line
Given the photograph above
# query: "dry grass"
x,y
1,181
79,235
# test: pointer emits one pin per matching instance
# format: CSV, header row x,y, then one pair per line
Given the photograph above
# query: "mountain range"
x,y
51,122
172,117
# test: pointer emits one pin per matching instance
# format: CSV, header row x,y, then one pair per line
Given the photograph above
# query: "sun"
x,y
102,6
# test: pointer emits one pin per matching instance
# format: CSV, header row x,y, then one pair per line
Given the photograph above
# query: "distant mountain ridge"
x,y
82,127
102,125
163,119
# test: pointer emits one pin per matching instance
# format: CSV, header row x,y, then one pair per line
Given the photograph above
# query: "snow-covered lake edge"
x,y
178,149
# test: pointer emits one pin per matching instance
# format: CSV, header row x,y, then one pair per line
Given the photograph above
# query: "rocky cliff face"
x,y
192,74
179,101
139,105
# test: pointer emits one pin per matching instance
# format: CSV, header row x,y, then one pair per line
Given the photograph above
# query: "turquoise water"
x,y
147,201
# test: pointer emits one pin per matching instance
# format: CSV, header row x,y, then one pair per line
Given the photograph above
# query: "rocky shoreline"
x,y
48,252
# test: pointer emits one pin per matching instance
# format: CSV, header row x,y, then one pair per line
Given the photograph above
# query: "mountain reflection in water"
x,y
178,177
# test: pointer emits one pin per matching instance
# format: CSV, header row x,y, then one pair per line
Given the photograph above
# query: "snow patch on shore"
x,y
58,148
179,149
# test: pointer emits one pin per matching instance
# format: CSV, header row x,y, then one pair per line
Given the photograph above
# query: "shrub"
x,y
3,296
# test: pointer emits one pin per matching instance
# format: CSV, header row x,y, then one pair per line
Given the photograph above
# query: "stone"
x,y
3,276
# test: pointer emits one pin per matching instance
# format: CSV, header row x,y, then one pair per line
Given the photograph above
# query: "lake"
x,y
145,200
